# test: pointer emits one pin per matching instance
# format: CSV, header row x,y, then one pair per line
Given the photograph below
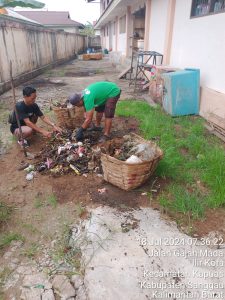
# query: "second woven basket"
x,y
69,117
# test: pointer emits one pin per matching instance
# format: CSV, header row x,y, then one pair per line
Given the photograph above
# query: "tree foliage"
x,y
21,3
88,30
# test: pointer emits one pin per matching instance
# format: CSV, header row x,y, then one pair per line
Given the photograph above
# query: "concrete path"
x,y
136,255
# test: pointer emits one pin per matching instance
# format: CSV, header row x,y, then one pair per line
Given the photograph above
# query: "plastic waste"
x,y
145,152
48,162
133,159
61,149
29,168
70,158
57,169
68,145
30,176
80,151
75,169
41,168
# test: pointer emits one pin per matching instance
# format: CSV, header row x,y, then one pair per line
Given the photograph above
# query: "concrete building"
x,y
189,33
59,20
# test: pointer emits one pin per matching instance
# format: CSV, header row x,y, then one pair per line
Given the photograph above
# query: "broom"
x,y
16,112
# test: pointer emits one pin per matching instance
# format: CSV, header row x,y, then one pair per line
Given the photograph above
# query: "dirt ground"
x,y
36,216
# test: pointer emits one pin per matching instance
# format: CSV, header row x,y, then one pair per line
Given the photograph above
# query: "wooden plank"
x,y
217,120
207,126
219,135
124,73
219,129
216,133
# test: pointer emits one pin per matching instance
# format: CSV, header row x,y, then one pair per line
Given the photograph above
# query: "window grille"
x,y
207,7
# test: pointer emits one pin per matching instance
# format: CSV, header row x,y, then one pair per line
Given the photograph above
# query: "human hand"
x,y
46,133
57,129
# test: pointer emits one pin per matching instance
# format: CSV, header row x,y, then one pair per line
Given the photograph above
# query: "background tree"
x,y
88,30
22,3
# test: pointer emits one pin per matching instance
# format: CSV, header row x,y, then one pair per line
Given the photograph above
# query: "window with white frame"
x,y
122,24
207,7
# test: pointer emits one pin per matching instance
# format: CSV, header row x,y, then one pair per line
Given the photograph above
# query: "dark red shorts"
x,y
109,107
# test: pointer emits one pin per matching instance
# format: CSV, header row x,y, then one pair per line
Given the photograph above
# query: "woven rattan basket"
x,y
129,176
69,117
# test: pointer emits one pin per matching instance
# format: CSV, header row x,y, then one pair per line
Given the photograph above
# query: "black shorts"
x,y
109,107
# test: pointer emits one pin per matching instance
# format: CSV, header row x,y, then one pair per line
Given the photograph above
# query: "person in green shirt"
x,y
101,97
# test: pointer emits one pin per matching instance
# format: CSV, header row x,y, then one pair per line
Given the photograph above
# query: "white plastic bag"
x,y
133,159
144,151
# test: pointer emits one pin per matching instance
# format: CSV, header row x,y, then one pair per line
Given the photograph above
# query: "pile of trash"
x,y
132,150
63,155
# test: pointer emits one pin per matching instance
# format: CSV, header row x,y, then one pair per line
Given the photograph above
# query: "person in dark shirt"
x,y
29,112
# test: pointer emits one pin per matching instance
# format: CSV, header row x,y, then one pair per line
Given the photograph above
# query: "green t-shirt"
x,y
97,94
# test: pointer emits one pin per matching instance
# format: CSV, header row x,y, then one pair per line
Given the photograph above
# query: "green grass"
x,y
5,212
31,251
64,251
50,200
38,202
80,209
7,238
4,275
191,156
12,139
30,227
55,73
185,202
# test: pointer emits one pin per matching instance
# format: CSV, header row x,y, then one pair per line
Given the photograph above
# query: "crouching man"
x,y
28,113
101,97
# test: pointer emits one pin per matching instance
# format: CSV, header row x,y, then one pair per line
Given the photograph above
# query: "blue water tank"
x,y
181,92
